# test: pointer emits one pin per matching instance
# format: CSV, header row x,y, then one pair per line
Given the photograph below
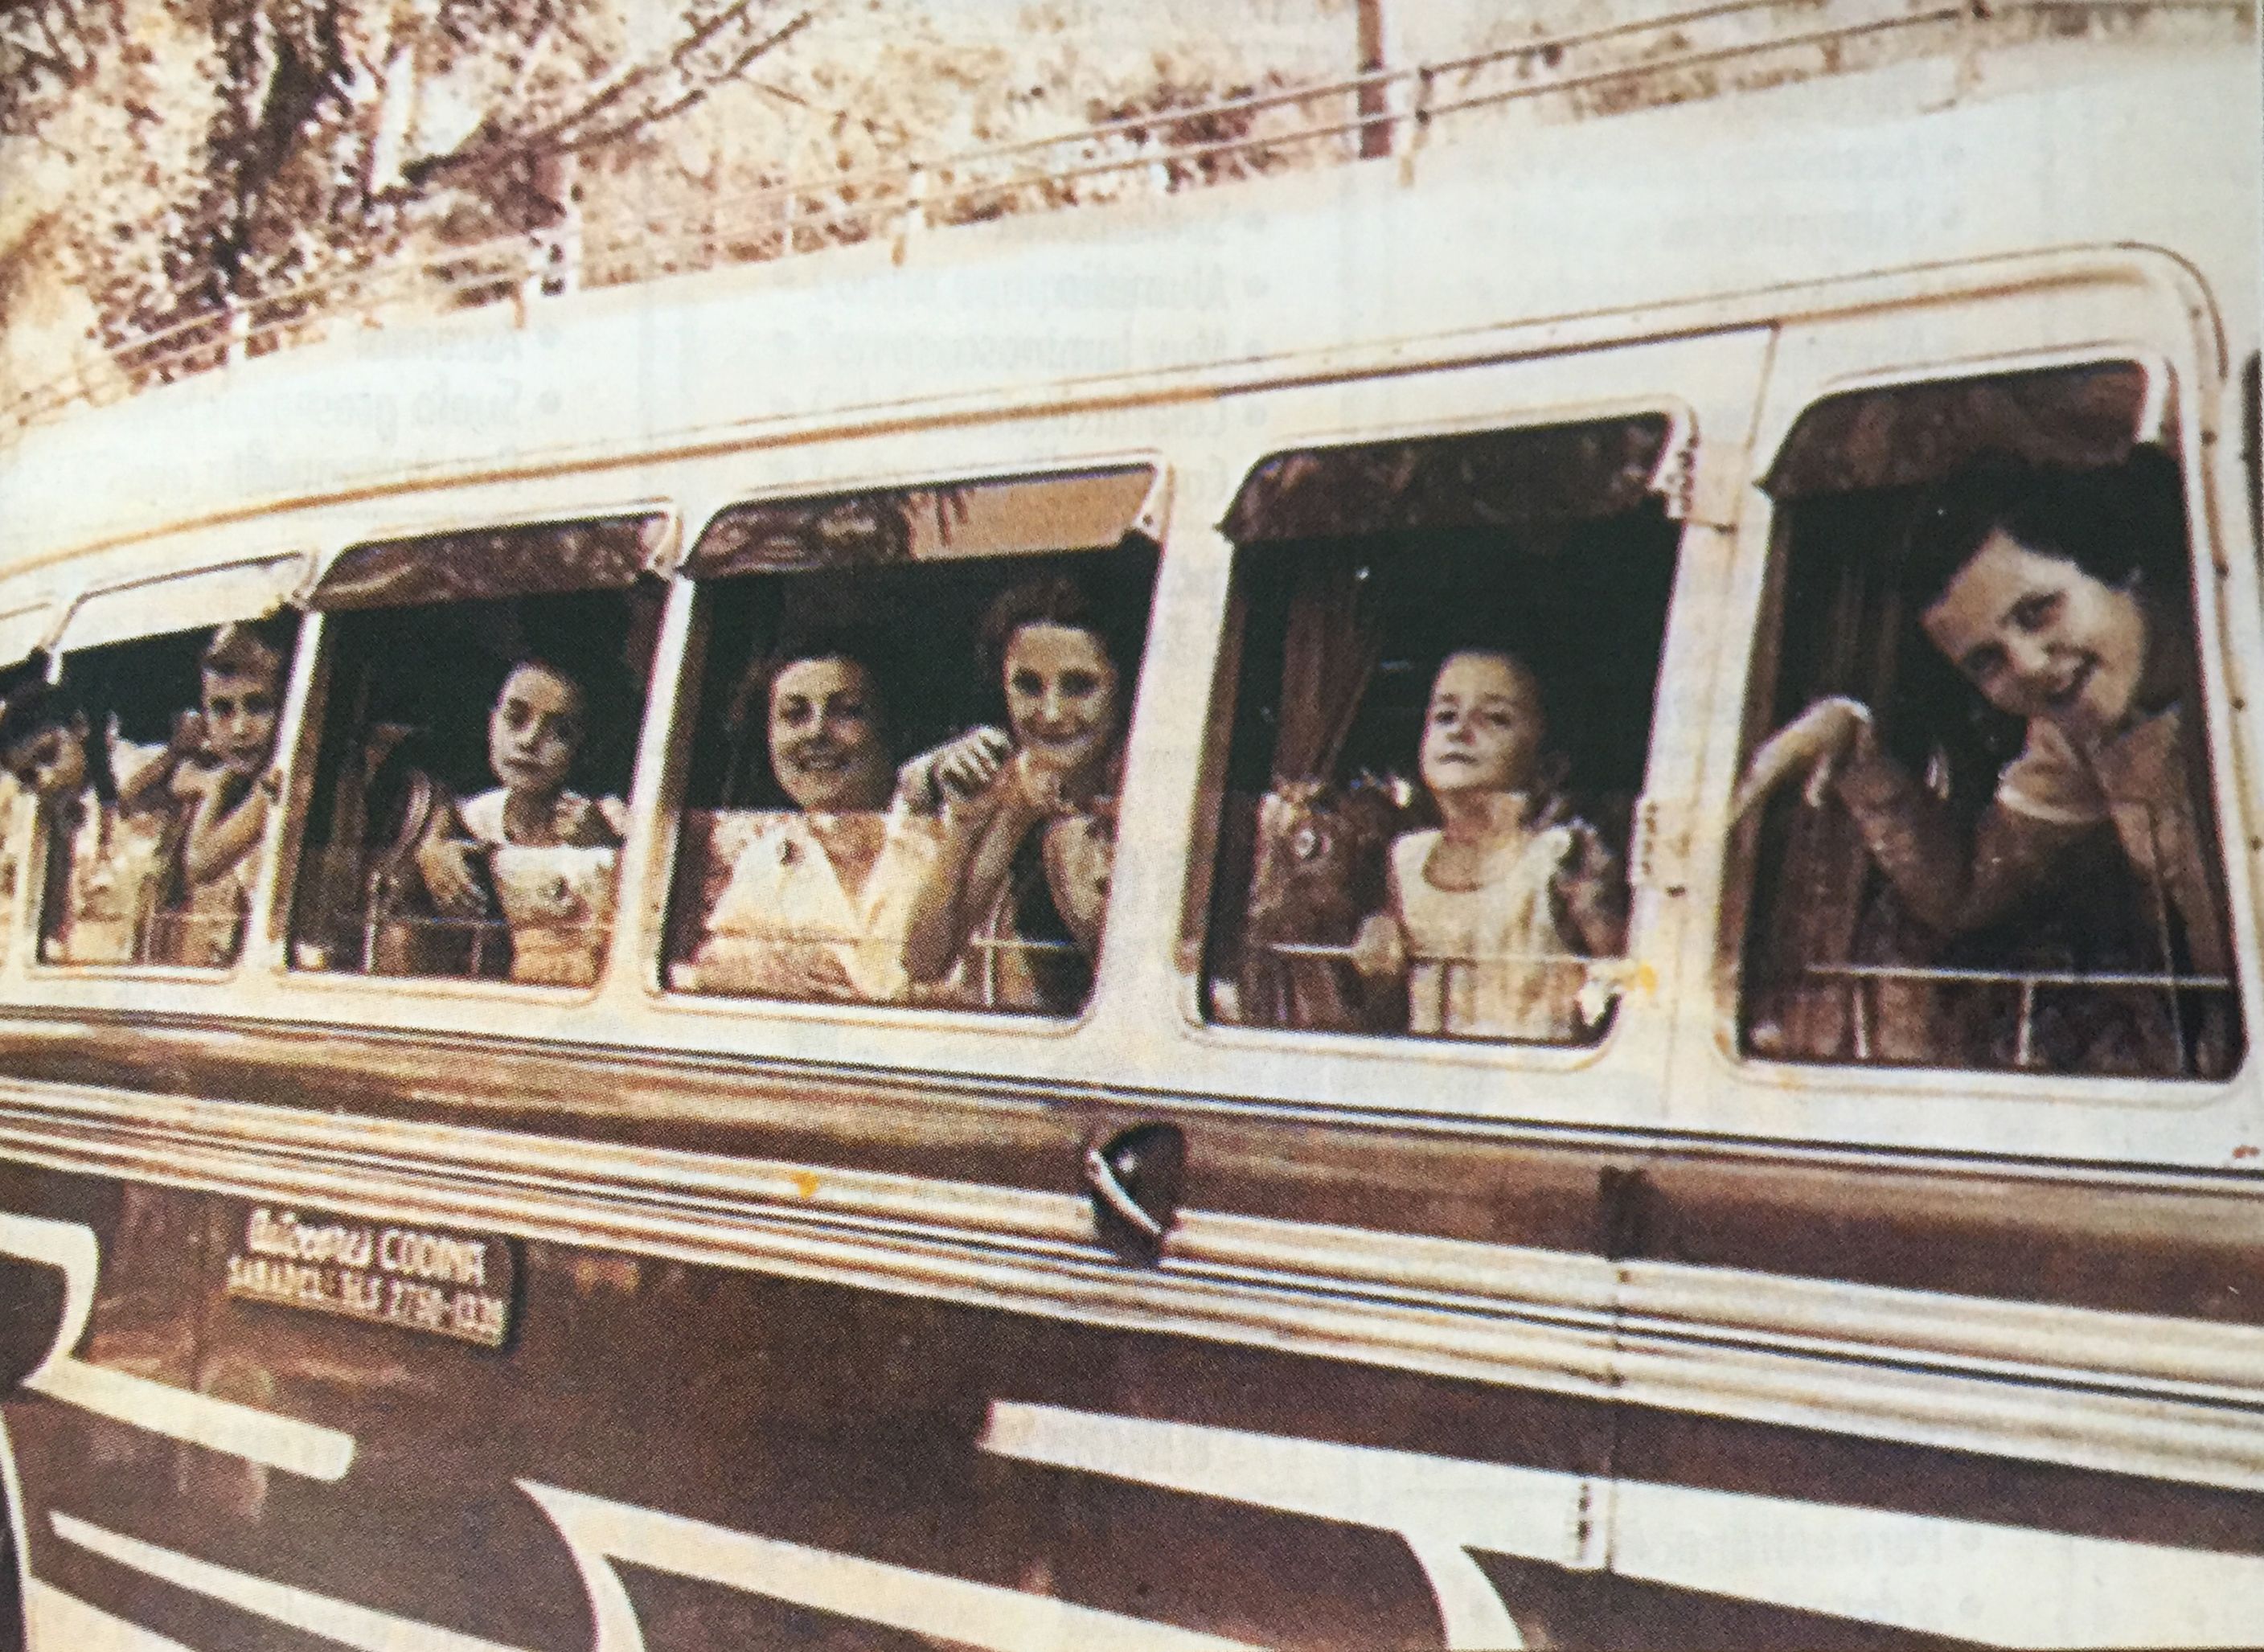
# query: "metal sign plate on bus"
x,y
441,1282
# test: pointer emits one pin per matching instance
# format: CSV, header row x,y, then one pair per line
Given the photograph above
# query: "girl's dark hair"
x,y
35,705
566,671
2117,525
750,704
1057,599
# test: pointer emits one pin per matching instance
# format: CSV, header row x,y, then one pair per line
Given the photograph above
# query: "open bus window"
x,y
21,630
478,731
1448,650
908,740
148,765
1983,672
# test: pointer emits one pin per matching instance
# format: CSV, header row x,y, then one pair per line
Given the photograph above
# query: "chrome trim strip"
x,y
2164,1398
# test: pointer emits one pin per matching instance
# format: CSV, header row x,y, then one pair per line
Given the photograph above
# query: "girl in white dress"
x,y
551,850
1490,912
820,896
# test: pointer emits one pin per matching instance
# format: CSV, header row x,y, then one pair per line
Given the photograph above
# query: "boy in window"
x,y
105,840
223,786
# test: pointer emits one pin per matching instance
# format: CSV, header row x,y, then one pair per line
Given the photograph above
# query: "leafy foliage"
x,y
176,161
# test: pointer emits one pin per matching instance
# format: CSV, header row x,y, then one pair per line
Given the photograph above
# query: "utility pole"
x,y
1376,52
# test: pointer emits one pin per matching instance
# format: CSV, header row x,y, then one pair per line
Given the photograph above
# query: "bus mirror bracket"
x,y
1132,1181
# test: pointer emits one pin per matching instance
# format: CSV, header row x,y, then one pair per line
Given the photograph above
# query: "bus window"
x,y
1448,650
908,740
1987,838
148,762
483,694
21,630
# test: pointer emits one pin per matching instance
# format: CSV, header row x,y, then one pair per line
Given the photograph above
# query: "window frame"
x,y
2169,421
661,859
30,916
273,936
1672,482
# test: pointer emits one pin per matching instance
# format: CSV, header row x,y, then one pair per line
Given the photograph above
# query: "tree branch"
x,y
558,135
637,74
691,98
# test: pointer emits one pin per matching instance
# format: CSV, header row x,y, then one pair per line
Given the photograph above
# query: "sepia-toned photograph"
x,y
1188,826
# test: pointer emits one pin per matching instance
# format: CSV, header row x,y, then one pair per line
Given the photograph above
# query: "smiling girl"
x,y
1020,883
2038,595
820,895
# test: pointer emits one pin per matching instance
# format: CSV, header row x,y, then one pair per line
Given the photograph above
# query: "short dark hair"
x,y
2091,519
33,708
750,705
245,646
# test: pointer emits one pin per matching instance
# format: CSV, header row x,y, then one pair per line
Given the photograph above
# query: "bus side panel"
x,y
759,1461
1732,1531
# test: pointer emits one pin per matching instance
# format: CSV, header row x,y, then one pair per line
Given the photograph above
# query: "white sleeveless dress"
x,y
1483,962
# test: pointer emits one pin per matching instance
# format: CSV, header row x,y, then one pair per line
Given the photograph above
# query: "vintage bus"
x,y
543,1110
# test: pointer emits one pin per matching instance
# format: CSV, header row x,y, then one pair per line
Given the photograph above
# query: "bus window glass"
x,y
1985,837
20,631
149,763
908,740
1448,650
484,691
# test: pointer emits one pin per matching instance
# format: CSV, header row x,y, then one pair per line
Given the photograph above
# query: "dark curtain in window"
x,y
490,562
1329,654
2058,418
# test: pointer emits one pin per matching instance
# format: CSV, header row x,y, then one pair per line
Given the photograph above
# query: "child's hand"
x,y
1591,886
191,782
1817,742
958,769
1379,952
1038,786
444,863
187,739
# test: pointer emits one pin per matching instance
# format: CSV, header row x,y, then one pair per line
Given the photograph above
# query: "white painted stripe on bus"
x,y
1998,1585
70,1247
56,1623
1443,1507
601,1532
361,1627
2002,1585
306,1449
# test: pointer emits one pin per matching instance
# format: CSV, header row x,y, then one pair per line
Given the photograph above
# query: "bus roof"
x,y
1728,208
